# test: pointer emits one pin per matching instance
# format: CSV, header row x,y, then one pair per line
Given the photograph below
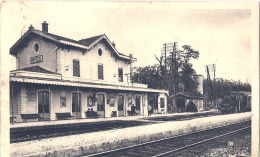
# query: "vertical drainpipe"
x,y
125,104
105,104
12,101
78,103
49,102
143,102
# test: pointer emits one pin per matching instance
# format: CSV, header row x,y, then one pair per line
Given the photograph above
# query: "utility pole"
x,y
210,92
175,68
214,85
239,96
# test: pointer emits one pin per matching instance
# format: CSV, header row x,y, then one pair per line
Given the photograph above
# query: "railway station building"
x,y
56,75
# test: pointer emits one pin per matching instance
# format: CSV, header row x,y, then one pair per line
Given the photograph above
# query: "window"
x,y
137,102
100,51
100,102
120,103
36,47
90,101
162,102
76,102
62,101
120,74
76,68
100,72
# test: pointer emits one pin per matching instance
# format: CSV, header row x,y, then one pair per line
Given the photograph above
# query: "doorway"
x,y
44,105
138,104
76,104
101,104
180,103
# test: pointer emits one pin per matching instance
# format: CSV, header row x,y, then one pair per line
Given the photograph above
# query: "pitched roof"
x,y
190,95
63,38
35,69
85,44
89,41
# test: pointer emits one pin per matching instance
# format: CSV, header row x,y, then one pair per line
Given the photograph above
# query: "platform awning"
x,y
60,82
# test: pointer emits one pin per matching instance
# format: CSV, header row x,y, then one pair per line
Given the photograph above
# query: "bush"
x,y
191,107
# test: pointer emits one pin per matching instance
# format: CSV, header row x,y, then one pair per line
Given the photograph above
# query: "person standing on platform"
x,y
150,110
133,110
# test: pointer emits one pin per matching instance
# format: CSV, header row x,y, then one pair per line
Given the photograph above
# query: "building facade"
x,y
55,74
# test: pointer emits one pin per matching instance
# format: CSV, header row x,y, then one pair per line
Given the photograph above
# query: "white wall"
x,y
89,63
47,49
159,103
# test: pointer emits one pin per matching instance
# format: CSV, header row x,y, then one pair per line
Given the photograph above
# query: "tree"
x,y
177,70
224,87
186,78
228,104
187,72
169,73
149,75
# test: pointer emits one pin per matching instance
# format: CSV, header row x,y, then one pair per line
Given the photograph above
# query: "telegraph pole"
x,y
210,87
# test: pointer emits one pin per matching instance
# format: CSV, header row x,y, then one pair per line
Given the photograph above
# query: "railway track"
x,y
175,146
43,132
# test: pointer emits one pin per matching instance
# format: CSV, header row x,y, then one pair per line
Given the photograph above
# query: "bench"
x,y
65,115
92,114
129,113
25,117
114,114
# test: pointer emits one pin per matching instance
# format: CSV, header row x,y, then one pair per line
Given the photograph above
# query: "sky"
x,y
221,32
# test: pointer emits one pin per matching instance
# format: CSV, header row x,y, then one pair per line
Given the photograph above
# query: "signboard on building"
x,y
36,59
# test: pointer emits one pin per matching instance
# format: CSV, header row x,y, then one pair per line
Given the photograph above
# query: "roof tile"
x,y
89,41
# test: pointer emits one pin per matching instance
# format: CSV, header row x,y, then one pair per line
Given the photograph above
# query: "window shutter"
x,y
120,74
100,72
76,70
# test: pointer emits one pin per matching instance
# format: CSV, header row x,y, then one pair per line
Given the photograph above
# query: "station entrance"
x,y
44,105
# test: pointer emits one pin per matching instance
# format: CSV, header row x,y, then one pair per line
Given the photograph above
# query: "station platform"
x,y
94,142
75,121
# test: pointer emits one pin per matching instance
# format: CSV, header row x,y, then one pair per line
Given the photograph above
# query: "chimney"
x,y
31,27
45,26
114,45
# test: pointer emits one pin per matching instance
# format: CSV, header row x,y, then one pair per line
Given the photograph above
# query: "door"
x,y
44,105
120,105
180,103
151,102
76,105
101,105
138,104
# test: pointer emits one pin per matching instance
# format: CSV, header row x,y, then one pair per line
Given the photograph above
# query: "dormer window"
x,y
100,52
36,47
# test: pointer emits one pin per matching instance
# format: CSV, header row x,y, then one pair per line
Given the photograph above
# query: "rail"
x,y
155,143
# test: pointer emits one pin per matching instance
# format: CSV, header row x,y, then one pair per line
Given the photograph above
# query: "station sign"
x,y
36,59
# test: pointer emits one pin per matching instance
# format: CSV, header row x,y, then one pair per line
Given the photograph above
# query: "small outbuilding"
x,y
188,102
